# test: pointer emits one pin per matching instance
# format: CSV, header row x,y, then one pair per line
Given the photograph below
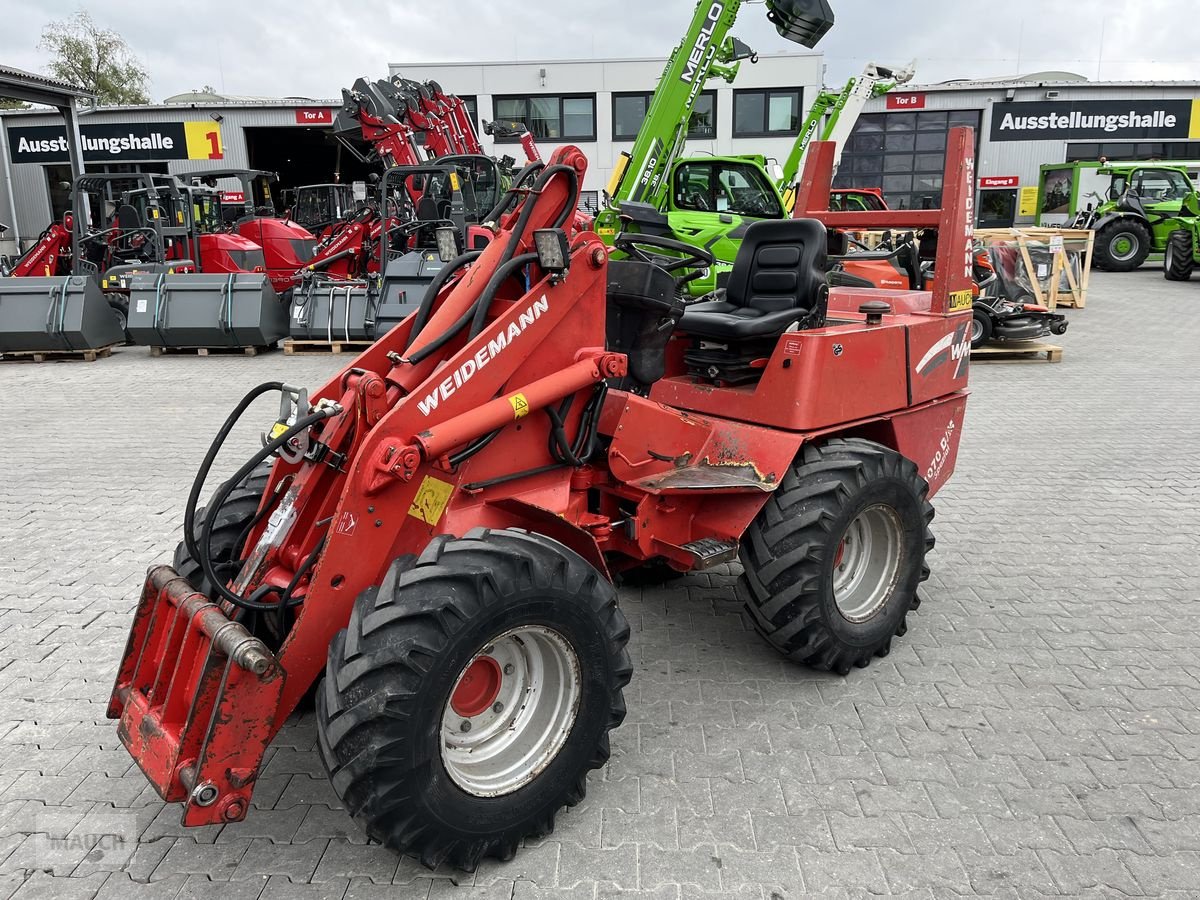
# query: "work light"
x,y
554,253
447,242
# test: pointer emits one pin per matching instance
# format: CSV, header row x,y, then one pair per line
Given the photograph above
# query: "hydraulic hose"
x,y
189,511
205,545
435,288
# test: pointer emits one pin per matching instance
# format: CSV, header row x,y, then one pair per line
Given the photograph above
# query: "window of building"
x,y
550,116
629,111
904,153
589,202
472,105
759,113
1131,151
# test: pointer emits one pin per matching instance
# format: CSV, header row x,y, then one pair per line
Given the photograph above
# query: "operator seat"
x,y
778,283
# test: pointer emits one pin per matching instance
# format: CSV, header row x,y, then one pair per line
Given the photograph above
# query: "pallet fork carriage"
x,y
434,541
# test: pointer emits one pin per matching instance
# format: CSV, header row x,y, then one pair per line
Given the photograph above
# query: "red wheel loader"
x,y
428,542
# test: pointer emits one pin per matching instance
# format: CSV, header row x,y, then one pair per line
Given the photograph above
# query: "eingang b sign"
x,y
1094,120
118,142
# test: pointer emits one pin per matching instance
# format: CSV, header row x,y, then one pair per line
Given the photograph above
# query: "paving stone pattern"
x,y
1036,732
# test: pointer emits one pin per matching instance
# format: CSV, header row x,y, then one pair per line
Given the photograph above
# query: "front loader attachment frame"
x,y
185,655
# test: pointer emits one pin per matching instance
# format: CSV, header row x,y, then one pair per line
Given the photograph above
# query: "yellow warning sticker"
x,y
520,406
454,184
277,429
430,502
960,300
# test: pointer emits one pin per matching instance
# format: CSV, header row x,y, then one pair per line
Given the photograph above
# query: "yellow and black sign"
x,y
960,300
430,502
119,142
520,406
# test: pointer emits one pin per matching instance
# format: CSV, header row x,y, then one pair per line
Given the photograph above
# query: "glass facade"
x,y
550,116
903,153
763,113
629,111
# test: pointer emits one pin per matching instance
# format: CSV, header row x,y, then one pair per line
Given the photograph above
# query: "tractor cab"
x,y
317,206
712,201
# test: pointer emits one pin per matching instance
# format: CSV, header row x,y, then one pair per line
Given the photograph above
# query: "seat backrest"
x,y
781,265
128,218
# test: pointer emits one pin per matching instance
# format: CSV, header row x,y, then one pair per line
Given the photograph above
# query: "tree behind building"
x,y
95,59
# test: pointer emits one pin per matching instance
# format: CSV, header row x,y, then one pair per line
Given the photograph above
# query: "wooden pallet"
x,y
209,351
303,348
1067,246
60,355
1029,352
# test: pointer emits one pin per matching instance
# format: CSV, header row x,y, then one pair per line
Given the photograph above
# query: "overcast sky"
x,y
314,48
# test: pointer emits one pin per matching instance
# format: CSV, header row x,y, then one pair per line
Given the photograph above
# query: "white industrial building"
x,y
598,105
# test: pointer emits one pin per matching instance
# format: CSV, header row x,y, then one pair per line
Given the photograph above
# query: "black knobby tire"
x,y
1132,229
981,328
120,307
1178,259
789,551
229,527
393,671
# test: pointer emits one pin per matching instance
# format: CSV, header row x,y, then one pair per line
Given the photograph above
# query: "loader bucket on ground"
x,y
218,310
405,281
331,311
804,22
60,313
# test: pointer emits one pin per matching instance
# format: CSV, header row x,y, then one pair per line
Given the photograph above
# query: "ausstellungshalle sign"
x,y
119,141
1083,120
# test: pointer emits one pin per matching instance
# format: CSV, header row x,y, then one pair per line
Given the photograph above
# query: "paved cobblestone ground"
x,y
1036,733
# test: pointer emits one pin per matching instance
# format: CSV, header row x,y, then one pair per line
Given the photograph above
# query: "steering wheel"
x,y
694,257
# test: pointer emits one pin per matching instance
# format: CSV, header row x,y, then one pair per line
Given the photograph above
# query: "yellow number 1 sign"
x,y
203,140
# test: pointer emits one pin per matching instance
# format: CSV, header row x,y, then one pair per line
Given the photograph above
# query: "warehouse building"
x,y
186,133
1022,124
898,144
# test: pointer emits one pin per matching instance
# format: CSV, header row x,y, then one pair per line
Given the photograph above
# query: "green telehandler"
x,y
710,201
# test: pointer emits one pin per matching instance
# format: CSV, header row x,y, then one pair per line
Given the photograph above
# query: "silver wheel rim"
x,y
1134,245
510,711
867,562
976,330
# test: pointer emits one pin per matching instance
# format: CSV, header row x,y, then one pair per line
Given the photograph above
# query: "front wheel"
x,y
832,562
1178,259
471,693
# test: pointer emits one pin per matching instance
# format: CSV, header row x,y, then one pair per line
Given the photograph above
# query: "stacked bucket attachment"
x,y
63,313
326,309
217,311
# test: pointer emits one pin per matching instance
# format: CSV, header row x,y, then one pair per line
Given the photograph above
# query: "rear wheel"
x,y
471,693
1123,245
1178,259
833,561
120,308
981,328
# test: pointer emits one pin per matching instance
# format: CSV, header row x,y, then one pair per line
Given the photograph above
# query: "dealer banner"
x,y
118,142
1092,120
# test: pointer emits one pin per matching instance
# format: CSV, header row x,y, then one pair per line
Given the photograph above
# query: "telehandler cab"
x,y
430,538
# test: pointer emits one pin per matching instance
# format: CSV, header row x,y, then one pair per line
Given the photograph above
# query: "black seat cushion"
x,y
777,282
722,319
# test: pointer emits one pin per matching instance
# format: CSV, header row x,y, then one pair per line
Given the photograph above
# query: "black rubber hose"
x,y
435,288
473,312
484,303
226,489
510,196
189,511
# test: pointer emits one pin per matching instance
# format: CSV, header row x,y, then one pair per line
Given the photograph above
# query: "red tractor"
x,y
428,542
